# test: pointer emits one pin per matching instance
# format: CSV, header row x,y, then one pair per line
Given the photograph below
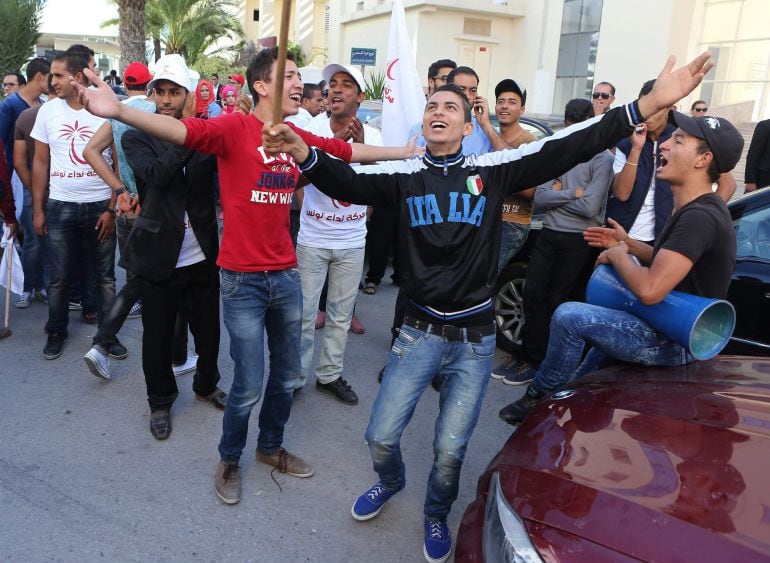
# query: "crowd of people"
x,y
142,163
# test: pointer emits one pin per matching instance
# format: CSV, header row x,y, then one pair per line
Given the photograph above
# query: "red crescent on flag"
x,y
389,68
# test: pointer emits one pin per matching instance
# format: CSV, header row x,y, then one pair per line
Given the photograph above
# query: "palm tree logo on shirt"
x,y
341,203
76,133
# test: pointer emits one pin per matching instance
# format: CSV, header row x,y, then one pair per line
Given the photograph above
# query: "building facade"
x,y
557,48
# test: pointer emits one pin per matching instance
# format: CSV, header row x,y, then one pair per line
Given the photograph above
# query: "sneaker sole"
x,y
225,499
430,559
361,518
118,357
496,376
21,304
94,368
52,356
509,382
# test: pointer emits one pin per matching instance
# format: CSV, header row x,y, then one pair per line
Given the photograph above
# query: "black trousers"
x,y
195,291
381,237
560,263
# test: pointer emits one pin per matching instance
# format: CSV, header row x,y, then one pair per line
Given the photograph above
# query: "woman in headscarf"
x,y
230,99
205,104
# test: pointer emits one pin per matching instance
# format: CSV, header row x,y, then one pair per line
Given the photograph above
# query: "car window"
x,y
752,234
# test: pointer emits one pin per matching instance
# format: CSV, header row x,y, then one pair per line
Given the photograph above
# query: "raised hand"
x,y
604,237
673,85
100,100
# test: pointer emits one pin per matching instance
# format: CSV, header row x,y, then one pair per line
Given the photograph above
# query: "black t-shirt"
x,y
703,231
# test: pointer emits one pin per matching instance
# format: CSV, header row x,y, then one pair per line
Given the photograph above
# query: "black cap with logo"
x,y
724,140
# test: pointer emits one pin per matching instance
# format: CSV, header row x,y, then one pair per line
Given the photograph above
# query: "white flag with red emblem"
x,y
403,99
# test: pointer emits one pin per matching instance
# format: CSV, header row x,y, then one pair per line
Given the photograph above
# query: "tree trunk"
x,y
132,32
156,47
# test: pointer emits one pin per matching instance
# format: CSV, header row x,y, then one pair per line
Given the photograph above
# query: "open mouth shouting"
x,y
438,125
296,97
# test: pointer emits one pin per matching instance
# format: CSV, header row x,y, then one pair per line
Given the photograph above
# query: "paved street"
x,y
82,479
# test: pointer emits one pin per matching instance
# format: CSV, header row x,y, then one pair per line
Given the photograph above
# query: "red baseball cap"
x,y
238,78
137,73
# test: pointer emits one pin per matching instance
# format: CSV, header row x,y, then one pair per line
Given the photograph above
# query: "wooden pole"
x,y
280,66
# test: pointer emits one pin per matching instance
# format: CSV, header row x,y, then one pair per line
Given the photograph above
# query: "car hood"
x,y
657,463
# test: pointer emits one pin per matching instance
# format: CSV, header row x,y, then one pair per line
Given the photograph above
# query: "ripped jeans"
x,y
616,334
415,358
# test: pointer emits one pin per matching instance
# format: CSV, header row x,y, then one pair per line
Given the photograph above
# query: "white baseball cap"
x,y
332,69
174,69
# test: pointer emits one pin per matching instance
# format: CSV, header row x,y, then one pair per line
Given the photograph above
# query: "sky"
x,y
78,17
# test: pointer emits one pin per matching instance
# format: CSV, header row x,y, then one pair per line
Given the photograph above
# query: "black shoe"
x,y
517,411
54,345
340,389
437,382
118,351
160,424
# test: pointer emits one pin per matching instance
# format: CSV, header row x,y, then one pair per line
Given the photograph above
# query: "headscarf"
x,y
201,105
226,90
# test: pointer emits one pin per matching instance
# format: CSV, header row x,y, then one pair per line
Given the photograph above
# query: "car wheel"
x,y
509,308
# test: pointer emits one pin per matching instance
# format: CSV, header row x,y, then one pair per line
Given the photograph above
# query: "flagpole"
x,y
280,67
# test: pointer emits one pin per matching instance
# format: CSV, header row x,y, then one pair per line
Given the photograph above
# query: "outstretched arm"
x,y
103,102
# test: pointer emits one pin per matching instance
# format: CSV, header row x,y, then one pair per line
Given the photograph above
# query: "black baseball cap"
x,y
510,85
724,140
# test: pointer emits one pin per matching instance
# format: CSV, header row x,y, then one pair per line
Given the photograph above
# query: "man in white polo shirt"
x,y
331,240
79,206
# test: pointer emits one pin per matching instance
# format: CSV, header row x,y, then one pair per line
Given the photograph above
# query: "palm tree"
x,y
188,27
131,14
21,29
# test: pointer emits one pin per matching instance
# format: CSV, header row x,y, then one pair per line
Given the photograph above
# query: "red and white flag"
x,y
403,100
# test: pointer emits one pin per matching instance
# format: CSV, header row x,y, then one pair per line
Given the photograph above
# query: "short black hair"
x,y
19,77
51,89
713,175
36,65
442,63
73,63
81,50
261,66
696,102
646,88
578,110
215,75
612,88
461,70
455,89
309,90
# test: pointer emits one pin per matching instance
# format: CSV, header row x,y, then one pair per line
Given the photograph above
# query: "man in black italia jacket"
x,y
173,249
758,158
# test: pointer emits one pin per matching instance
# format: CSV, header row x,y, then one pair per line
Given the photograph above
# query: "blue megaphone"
x,y
700,325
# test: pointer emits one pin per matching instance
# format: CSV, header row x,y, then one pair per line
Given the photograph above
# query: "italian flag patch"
x,y
475,187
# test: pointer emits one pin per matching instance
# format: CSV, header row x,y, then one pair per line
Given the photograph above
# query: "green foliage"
x,y
208,65
21,30
375,86
299,54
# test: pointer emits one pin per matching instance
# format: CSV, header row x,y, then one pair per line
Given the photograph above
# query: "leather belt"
x,y
452,333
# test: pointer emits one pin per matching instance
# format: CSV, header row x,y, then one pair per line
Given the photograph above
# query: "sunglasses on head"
x,y
701,110
602,95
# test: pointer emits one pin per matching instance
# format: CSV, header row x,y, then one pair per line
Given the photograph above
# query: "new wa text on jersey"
x,y
463,208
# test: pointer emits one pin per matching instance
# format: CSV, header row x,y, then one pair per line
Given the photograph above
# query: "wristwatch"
x,y
121,190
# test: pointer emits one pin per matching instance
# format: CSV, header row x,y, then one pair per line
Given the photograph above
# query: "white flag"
x,y
403,100
10,254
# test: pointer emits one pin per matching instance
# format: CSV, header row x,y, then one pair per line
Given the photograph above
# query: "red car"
x,y
633,463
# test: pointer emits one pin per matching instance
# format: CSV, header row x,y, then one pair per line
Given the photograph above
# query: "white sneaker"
x,y
189,365
23,301
98,363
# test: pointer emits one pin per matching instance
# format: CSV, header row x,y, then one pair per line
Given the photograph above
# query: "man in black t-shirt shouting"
x,y
694,253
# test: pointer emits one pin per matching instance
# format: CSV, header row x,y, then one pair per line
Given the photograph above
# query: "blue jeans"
x,y
616,334
344,268
253,303
35,258
512,240
415,358
71,225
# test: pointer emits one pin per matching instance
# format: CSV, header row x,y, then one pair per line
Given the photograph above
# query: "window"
x,y
256,15
476,26
581,20
752,234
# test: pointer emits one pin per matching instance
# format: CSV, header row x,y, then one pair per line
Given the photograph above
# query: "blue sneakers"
x,y
438,541
369,504
520,373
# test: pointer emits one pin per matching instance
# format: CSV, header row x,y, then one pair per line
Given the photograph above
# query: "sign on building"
x,y
363,56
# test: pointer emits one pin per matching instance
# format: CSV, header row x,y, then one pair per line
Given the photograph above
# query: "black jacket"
x,y
170,180
758,158
450,208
